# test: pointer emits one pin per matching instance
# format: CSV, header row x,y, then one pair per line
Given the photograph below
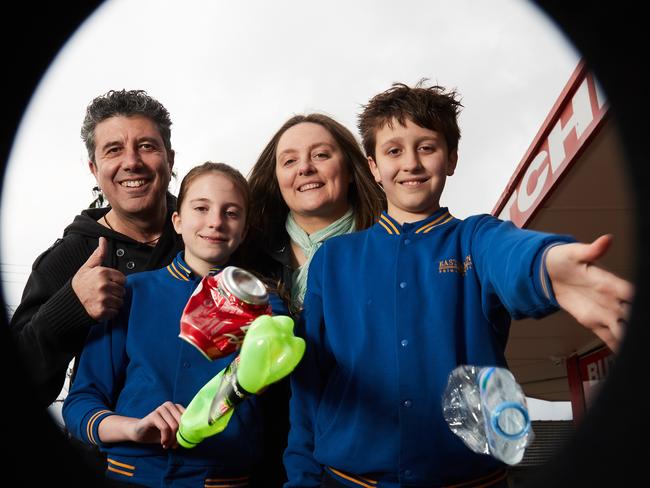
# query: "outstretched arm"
x,y
596,298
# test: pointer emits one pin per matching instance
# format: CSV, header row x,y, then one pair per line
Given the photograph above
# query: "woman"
x,y
311,182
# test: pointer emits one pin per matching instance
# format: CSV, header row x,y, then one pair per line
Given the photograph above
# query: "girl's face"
x,y
212,221
311,172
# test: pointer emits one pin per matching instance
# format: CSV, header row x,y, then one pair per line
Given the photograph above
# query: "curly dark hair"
x,y
431,107
125,103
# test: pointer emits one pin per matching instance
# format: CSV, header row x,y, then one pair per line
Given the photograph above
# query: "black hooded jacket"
x,y
50,325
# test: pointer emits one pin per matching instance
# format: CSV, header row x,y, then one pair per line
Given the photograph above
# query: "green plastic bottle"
x,y
269,352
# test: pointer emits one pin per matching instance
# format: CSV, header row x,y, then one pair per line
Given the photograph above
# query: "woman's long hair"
x,y
268,209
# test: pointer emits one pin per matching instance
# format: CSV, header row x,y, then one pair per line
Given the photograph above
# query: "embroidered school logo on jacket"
x,y
452,265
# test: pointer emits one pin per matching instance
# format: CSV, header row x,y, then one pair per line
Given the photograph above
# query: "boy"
x,y
390,311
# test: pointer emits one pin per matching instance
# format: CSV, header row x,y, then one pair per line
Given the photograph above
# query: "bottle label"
x,y
229,394
485,376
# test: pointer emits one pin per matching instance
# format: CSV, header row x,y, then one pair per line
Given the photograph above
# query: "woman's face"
x,y
311,172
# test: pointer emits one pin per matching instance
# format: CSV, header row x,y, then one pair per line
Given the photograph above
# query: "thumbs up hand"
x,y
99,289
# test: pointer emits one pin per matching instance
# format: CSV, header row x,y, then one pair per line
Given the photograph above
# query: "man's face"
x,y
412,164
132,167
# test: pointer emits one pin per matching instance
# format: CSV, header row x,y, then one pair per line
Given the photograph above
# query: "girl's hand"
x,y
159,426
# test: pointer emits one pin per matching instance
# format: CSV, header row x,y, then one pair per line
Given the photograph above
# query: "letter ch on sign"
x,y
579,111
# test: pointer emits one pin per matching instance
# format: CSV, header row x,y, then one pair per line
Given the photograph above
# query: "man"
x,y
79,280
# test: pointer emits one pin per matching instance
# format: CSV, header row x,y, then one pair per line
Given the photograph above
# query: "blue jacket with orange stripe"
x,y
389,312
136,362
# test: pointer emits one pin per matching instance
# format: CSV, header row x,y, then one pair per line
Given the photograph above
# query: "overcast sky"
x,y
231,73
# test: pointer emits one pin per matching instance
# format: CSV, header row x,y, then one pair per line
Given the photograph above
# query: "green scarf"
x,y
309,244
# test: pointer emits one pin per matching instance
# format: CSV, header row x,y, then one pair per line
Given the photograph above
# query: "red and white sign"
x,y
573,120
593,369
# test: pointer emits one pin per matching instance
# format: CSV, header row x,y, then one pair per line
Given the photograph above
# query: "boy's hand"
x,y
596,298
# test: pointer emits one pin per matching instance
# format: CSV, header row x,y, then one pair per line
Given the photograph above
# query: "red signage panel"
x,y
572,122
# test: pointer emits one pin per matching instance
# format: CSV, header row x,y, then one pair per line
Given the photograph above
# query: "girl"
x,y
136,375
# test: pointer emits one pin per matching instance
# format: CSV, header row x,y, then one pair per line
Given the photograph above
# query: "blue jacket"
x,y
136,362
389,312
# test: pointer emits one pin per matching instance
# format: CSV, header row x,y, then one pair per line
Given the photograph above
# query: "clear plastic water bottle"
x,y
487,409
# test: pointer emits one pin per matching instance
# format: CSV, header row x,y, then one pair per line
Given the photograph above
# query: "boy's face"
x,y
412,164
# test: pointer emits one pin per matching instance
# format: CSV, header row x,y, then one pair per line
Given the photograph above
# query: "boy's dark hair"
x,y
126,103
432,107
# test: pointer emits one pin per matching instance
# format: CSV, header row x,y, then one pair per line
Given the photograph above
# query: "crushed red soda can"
x,y
220,310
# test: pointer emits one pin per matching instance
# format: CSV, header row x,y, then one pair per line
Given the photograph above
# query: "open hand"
x,y
596,298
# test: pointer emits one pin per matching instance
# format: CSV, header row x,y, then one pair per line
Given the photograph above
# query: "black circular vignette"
x,y
603,452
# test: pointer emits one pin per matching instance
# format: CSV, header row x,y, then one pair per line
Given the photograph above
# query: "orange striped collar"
x,y
392,227
179,269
